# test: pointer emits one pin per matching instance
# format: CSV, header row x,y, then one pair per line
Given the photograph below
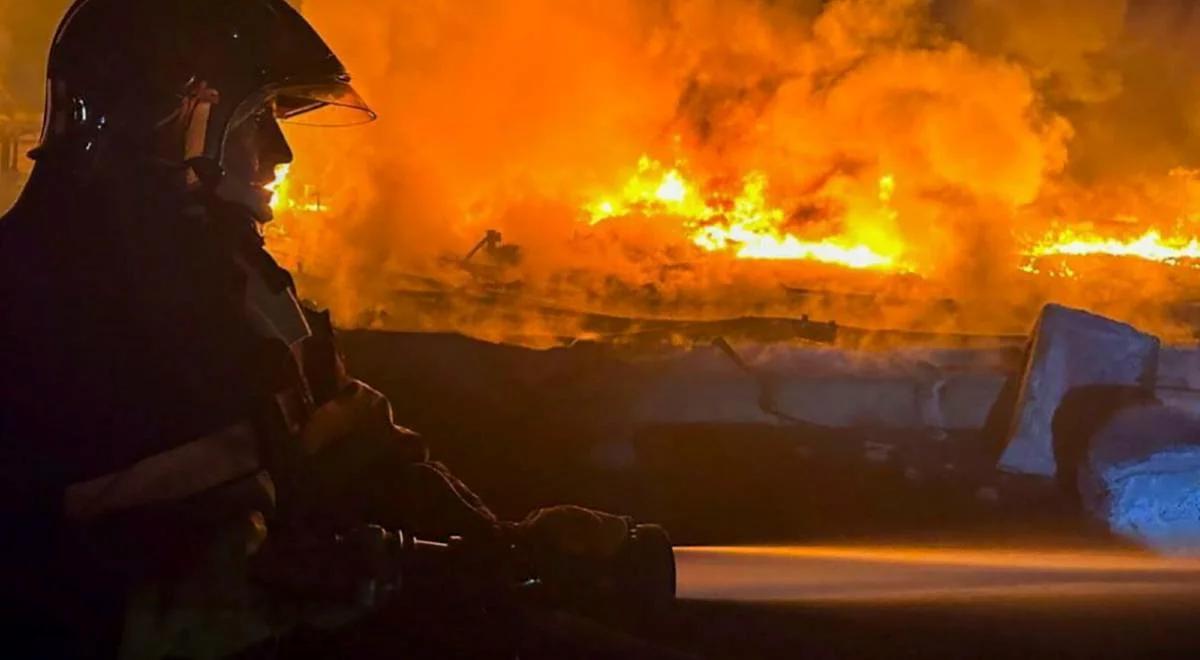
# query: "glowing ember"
x,y
745,224
1151,246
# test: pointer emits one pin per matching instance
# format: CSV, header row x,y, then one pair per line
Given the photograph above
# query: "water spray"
x,y
880,574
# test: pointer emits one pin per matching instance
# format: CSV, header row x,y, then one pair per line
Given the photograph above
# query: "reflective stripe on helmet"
x,y
186,129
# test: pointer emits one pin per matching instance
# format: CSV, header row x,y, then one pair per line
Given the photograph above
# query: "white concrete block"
x,y
1071,348
838,388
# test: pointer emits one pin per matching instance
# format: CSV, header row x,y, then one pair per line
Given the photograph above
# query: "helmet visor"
x,y
331,104
328,103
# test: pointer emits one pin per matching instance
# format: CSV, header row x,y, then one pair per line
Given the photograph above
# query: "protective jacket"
x,y
160,379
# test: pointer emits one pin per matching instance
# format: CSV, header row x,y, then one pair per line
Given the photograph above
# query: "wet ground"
x,y
929,602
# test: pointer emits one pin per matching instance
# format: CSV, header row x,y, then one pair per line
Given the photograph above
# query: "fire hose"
x,y
367,567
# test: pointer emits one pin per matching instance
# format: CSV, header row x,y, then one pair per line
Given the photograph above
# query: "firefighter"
x,y
163,391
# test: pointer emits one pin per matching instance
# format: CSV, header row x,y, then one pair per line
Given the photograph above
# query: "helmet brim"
x,y
328,103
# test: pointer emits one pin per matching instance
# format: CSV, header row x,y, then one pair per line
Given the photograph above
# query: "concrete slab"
x,y
1070,348
943,390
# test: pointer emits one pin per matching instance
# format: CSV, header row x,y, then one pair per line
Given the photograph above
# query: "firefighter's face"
x,y
253,150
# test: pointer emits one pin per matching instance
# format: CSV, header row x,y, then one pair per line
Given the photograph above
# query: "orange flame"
x,y
746,225
284,199
279,188
1151,246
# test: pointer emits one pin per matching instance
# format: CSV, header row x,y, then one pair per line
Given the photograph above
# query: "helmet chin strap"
x,y
196,135
202,172
190,126
185,136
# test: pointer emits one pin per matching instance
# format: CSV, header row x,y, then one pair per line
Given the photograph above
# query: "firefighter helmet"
x,y
173,79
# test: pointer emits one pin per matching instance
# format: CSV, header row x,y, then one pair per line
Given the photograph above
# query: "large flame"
x,y
743,223
1150,246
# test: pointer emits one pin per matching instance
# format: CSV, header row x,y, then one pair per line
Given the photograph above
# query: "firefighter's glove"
x,y
360,413
574,531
